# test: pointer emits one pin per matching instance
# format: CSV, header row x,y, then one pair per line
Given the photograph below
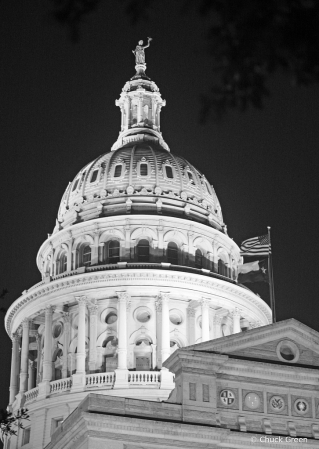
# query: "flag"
x,y
256,246
253,272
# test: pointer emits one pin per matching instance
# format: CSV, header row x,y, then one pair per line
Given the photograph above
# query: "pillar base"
x,y
121,378
78,382
167,379
44,389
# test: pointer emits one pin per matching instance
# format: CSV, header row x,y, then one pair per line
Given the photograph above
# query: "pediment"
x,y
288,341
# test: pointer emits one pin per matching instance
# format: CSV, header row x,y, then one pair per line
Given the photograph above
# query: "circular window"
x,y
287,351
57,330
143,314
252,401
111,318
301,406
277,403
172,343
108,315
175,317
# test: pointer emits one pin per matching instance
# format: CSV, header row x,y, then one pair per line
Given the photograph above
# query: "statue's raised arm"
x,y
139,51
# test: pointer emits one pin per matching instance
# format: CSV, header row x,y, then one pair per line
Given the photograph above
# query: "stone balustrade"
x,y
31,395
144,378
61,385
100,380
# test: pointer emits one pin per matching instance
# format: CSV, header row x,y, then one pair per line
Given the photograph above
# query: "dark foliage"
x,y
10,423
249,40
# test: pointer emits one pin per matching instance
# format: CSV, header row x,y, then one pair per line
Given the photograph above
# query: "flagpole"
x,y
271,280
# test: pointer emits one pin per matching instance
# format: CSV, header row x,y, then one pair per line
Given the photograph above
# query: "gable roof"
x,y
261,342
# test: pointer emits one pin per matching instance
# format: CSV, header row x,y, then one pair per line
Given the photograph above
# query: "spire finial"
x,y
139,53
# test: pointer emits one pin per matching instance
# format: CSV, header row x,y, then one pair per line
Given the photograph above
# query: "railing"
x,y
58,386
100,380
144,378
31,395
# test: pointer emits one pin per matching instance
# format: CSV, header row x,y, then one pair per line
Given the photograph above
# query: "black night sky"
x,y
57,113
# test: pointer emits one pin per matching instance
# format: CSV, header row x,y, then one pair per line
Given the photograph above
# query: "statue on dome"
x,y
139,51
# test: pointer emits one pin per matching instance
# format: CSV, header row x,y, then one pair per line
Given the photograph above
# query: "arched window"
x,y
62,263
118,171
222,267
143,169
113,251
143,251
172,253
86,256
190,177
75,185
198,259
169,172
94,176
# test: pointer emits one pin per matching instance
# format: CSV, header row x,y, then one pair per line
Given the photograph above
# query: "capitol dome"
x,y
140,178
139,264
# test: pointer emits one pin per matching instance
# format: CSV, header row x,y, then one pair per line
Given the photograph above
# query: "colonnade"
x,y
23,370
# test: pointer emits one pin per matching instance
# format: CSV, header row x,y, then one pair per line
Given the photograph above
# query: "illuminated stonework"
x,y
139,264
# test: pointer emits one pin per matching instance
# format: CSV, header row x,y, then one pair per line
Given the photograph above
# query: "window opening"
x,y
86,257
190,177
143,251
198,259
114,251
75,185
172,253
94,176
169,172
143,169
118,171
63,263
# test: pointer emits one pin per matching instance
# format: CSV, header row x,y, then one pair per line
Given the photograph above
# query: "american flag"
x,y
256,246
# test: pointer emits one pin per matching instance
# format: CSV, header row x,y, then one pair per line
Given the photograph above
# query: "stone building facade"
x,y
139,264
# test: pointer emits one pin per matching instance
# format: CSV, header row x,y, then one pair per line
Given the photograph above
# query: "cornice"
x,y
121,276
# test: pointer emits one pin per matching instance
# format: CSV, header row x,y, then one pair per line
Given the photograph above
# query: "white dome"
x,y
141,178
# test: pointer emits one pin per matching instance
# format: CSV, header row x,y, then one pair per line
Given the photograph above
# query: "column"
x,y
205,319
191,324
80,356
140,109
218,326
39,355
47,357
235,314
69,257
24,356
154,104
66,342
158,306
128,112
95,249
31,375
14,368
101,252
93,336
166,349
123,300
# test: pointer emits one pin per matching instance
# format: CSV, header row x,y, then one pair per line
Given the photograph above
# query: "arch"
x,y
203,244
74,343
104,335
141,233
111,234
175,236
82,239
143,251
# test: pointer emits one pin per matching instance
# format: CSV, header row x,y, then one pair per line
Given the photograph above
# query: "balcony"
x,y
101,381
